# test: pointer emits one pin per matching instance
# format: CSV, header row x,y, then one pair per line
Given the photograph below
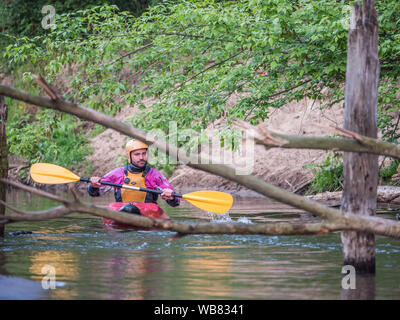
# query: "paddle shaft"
x,y
212,201
125,186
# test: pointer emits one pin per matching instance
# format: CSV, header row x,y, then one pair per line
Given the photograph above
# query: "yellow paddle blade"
x,y
48,173
212,201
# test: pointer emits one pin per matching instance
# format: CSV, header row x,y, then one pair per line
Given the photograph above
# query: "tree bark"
x,y
361,99
4,159
358,143
335,219
384,227
380,226
351,143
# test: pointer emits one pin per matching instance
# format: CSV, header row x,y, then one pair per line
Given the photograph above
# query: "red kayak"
x,y
150,210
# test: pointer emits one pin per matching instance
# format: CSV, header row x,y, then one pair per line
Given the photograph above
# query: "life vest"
x,y
137,180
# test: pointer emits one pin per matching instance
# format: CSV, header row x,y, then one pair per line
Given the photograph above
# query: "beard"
x,y
139,164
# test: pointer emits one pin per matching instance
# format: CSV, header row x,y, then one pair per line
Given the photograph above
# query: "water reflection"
x,y
66,267
210,271
127,274
95,263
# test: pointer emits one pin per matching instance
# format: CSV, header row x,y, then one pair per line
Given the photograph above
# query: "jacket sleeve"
x,y
160,182
113,176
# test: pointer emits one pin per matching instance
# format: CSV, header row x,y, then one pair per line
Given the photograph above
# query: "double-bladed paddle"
x,y
212,201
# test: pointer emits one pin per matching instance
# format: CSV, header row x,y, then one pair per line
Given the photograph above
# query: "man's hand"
x,y
95,182
167,194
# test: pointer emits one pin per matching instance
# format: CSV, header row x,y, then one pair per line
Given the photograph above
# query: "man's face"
x,y
139,157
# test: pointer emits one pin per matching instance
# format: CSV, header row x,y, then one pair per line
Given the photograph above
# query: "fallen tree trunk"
x,y
191,160
353,142
385,194
380,226
349,222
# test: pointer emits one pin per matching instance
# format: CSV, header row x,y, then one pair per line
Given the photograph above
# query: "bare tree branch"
x,y
204,71
335,220
370,145
179,227
357,143
53,213
47,88
128,54
344,222
34,190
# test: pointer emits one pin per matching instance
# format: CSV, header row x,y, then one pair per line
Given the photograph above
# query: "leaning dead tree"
x,y
349,222
333,220
352,142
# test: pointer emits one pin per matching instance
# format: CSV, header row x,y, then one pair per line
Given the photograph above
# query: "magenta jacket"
x,y
154,180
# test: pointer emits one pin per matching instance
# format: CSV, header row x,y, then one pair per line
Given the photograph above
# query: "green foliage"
x,y
161,162
20,18
387,172
328,176
97,130
193,56
47,137
23,18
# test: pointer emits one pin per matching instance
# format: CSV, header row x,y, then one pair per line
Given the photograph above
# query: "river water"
x,y
90,261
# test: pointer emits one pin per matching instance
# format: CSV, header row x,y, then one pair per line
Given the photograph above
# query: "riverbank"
x,y
281,167
386,194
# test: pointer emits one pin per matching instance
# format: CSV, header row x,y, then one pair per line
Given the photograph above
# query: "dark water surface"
x,y
93,262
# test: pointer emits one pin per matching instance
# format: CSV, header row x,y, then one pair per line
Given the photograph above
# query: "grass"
x,y
328,176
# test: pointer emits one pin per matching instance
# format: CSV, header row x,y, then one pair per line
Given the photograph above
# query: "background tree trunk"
x,y
4,158
361,98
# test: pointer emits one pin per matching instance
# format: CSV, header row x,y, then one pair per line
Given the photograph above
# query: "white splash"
x,y
244,220
220,217
225,218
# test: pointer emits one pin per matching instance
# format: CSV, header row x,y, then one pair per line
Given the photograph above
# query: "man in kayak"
x,y
138,174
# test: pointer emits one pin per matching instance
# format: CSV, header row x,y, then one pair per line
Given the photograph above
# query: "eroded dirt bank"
x,y
280,167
